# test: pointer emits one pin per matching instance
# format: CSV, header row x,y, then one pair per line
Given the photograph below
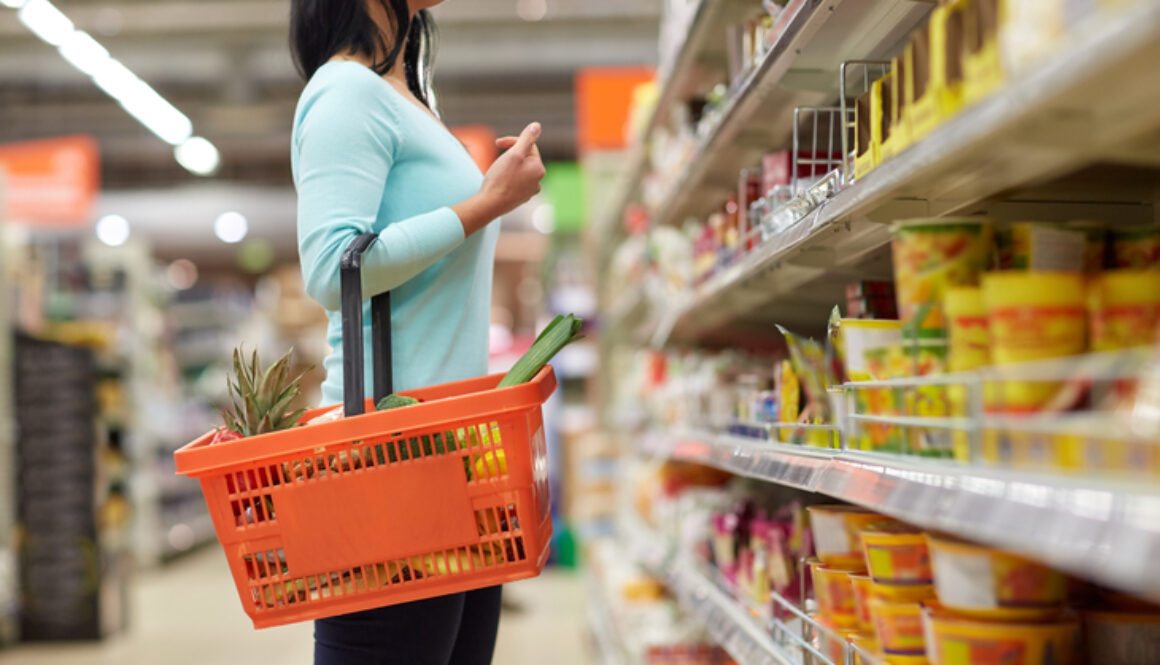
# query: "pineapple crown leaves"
x,y
260,398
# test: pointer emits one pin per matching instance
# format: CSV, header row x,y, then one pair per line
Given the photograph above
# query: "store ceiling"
x,y
225,64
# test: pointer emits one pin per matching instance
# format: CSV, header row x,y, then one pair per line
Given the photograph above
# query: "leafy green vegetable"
x,y
562,331
395,402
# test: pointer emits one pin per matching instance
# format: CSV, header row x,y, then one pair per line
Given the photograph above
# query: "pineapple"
x,y
261,399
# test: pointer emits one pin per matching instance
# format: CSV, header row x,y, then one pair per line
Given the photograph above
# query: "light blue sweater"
x,y
366,159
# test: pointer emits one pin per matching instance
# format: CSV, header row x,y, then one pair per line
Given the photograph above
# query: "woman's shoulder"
x,y
349,88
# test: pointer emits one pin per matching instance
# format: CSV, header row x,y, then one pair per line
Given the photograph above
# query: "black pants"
x,y
459,629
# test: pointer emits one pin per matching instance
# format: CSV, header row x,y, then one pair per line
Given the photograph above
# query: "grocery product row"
x,y
784,577
801,216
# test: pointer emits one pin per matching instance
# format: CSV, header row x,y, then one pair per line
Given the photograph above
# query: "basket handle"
x,y
353,377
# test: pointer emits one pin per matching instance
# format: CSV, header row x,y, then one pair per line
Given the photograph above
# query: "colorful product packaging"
x,y
1124,308
1032,316
1137,247
1042,247
899,627
953,640
994,585
896,553
837,534
930,256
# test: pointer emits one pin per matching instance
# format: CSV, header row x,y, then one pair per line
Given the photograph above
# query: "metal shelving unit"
x,y
1104,529
1026,138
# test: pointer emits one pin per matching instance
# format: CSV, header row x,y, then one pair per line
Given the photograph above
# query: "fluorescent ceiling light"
x,y
198,156
84,52
141,101
46,21
113,230
231,227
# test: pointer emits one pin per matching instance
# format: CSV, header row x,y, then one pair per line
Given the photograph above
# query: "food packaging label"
x,y
965,580
830,532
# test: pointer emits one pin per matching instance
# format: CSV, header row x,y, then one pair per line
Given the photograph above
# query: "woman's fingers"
x,y
528,138
506,142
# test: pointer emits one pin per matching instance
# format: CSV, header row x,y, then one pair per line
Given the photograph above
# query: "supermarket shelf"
x,y
1107,530
728,622
795,72
1029,133
603,627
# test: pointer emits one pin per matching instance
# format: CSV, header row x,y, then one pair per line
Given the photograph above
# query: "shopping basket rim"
x,y
470,399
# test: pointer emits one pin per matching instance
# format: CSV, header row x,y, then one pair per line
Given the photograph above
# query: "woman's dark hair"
x,y
322,29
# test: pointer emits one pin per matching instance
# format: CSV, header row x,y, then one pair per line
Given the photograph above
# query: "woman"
x,y
370,155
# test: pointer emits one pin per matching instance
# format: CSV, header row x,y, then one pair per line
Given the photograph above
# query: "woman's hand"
x,y
512,180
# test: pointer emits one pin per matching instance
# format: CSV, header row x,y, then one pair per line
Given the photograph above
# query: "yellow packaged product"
x,y
896,553
970,341
834,592
930,256
1125,309
865,643
1032,316
1042,247
855,337
789,392
866,132
899,627
1095,250
838,534
982,65
896,134
863,586
953,640
1137,247
992,584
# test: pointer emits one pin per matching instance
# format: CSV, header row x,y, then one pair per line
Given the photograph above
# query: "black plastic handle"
x,y
353,377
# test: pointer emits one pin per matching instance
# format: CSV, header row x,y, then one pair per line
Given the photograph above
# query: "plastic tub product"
x,y
835,595
866,134
863,592
1121,638
992,584
896,659
899,627
930,256
1137,247
867,642
1042,247
1032,316
832,644
837,534
1125,309
970,342
896,553
858,336
903,593
954,640
1095,246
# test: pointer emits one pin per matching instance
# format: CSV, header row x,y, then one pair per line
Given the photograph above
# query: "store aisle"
x,y
187,614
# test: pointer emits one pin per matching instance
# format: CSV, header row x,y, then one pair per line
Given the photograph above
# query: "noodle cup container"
x,y
1125,309
992,584
1032,316
896,553
895,659
955,640
903,593
863,593
899,627
835,595
930,256
867,642
833,647
1136,247
838,534
970,341
1121,638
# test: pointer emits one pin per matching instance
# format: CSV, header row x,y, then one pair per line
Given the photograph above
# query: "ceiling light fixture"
x,y
231,227
197,155
113,230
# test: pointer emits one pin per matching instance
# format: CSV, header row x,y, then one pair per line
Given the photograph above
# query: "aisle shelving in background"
x,y
1052,117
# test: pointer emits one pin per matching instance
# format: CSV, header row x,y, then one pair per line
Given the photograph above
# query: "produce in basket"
x,y
261,399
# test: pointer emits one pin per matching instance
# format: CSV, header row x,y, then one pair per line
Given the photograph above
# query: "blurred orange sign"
x,y
50,182
480,143
603,102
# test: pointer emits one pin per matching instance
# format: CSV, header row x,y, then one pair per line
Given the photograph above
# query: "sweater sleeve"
x,y
347,140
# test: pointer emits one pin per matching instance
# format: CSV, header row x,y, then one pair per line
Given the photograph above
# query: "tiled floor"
x,y
187,614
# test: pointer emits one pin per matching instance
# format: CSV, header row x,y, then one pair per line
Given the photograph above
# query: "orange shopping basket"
x,y
381,508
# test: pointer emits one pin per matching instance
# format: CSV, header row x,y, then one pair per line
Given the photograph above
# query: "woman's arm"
x,y
346,145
